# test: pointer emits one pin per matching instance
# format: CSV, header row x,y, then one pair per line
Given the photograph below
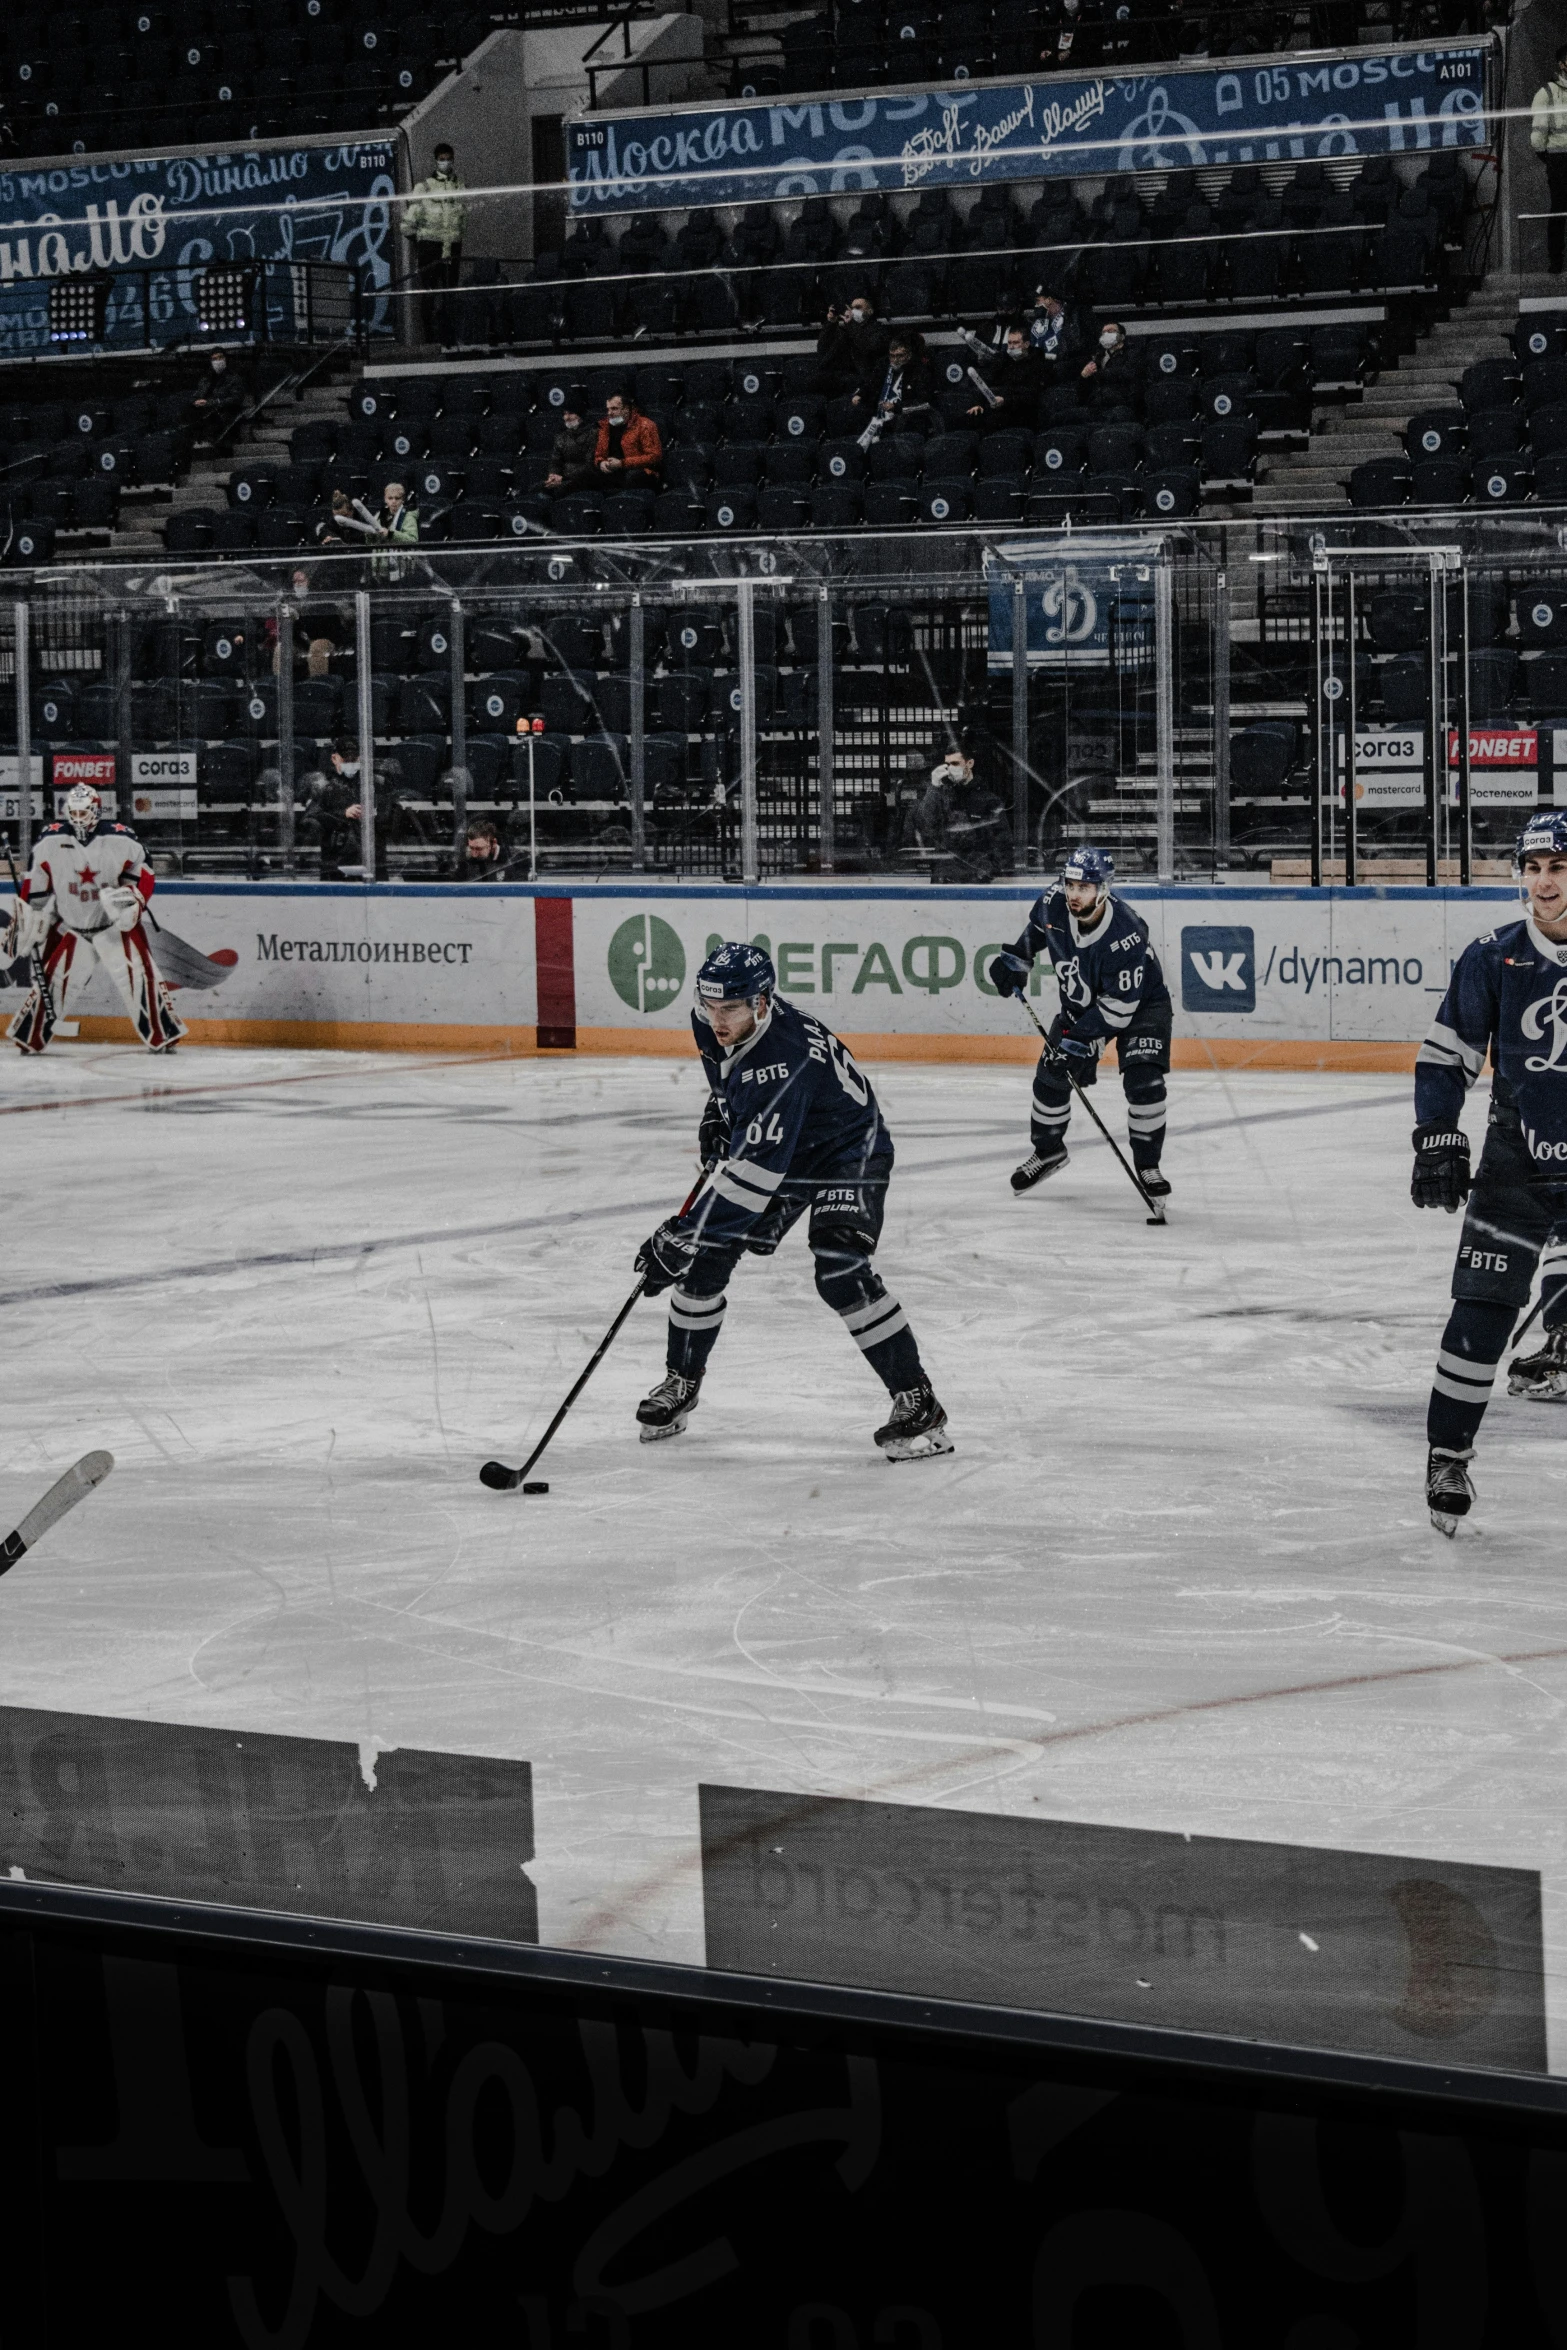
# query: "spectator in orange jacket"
x,y
629,452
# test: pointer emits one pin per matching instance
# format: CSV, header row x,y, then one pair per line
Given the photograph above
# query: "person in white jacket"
x,y
433,223
1548,138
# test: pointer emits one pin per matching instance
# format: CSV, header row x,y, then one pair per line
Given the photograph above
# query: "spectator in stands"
x,y
629,450
218,399
852,348
960,817
1016,384
338,804
1052,331
571,454
336,528
483,858
908,386
1110,361
397,520
1548,138
433,223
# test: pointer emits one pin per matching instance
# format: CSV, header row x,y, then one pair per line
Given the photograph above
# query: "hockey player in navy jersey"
x,y
794,1130
1111,988
1508,997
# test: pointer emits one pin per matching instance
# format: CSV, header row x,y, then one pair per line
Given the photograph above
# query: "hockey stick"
x,y
495,1474
63,1495
40,976
1057,1057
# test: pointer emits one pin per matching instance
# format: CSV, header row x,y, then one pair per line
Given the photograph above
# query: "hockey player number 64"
x,y
756,1132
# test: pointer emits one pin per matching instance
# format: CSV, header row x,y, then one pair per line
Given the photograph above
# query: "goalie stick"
x,y
40,975
495,1474
63,1495
1061,1060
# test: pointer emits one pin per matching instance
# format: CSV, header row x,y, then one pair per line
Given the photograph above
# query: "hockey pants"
x,y
1144,1057
845,1207
1513,1223
70,959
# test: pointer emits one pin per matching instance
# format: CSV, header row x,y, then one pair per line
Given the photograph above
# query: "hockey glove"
x,y
1009,975
1079,1049
123,906
1441,1176
712,1139
665,1257
31,926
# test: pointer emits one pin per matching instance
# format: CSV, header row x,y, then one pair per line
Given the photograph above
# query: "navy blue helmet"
x,y
1090,864
1544,835
736,974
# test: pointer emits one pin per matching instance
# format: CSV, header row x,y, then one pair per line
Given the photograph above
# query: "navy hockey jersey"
x,y
1508,995
1103,979
798,1107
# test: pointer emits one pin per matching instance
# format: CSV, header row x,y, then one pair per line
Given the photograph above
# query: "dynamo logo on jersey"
x,y
1219,969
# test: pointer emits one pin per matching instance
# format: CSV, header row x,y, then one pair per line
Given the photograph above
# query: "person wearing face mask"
x,y
1015,381
906,389
218,399
1110,360
433,223
852,349
1052,333
628,452
960,818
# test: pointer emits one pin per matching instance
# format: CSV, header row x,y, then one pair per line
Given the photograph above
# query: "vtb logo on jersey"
x,y
1218,968
1548,1012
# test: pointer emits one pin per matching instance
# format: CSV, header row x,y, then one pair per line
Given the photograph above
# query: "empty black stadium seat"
x,y
1542,614
1493,680
1381,481
1439,481
731,509
1262,755
1436,432
1171,492
1490,383
1542,686
1502,480
1405,684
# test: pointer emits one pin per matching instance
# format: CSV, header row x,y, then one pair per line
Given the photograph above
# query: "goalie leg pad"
x,y
31,1028
127,958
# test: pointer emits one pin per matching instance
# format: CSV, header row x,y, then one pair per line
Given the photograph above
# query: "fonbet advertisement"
x,y
903,970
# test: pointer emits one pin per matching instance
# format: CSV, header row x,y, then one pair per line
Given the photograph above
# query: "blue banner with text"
x,y
1370,102
92,215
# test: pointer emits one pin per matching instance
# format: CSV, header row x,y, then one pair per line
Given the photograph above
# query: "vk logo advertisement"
x,y
1369,103
1218,969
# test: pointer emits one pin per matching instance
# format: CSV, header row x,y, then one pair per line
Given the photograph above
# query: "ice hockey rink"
x,y
1178,1572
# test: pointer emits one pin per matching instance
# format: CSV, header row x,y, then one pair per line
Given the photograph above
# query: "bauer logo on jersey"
x,y
1218,969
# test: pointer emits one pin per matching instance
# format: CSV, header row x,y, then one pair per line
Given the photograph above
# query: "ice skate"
x,y
1037,1166
917,1428
1543,1376
1449,1488
1154,1181
666,1411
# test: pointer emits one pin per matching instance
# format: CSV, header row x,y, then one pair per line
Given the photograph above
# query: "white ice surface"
x,y
1178,1572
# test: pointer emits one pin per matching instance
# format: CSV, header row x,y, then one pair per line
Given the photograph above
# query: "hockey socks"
x,y
1473,1345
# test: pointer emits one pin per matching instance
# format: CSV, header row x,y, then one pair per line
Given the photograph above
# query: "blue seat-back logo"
x,y
1218,969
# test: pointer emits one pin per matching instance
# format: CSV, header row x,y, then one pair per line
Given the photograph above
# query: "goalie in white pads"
x,y
82,903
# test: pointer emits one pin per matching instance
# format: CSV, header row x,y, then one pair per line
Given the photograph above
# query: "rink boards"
x,y
1345,978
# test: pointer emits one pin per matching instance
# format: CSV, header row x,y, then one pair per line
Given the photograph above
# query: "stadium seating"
x,y
135,75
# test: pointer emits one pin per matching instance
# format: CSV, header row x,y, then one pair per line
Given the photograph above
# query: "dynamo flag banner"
x,y
1363,102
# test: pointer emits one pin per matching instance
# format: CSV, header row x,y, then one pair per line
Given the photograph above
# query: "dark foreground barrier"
x,y
257,2129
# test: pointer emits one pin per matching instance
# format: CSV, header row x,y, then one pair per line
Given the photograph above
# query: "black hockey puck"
x,y
535,1489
